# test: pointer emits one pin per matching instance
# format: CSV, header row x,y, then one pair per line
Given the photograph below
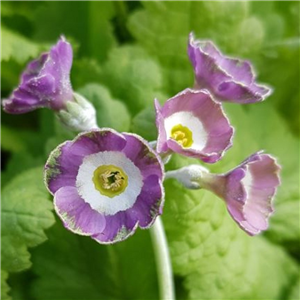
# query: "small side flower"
x,y
248,190
193,124
45,82
228,79
105,184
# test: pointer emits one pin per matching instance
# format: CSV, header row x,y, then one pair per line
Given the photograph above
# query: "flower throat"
x,y
110,180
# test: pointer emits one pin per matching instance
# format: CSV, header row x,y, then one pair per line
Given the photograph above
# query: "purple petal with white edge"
x,y
249,190
118,228
63,163
205,118
144,157
228,79
45,82
143,214
162,145
87,211
76,214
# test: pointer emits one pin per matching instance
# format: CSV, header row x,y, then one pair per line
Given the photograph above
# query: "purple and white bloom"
x,y
193,124
45,82
248,189
105,184
228,79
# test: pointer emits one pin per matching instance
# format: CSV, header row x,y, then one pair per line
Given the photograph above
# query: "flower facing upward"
x,y
45,82
248,190
228,79
105,184
193,124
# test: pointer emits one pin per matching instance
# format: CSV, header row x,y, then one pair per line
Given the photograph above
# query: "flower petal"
x,y
76,214
204,117
144,157
228,79
45,82
70,176
63,163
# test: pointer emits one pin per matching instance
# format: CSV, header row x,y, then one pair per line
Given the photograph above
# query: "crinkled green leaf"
x,y
295,293
133,77
25,214
144,124
15,46
4,286
218,259
110,112
85,71
75,267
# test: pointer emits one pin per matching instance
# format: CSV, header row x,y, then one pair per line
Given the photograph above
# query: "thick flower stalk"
x,y
228,79
248,190
193,124
45,82
105,184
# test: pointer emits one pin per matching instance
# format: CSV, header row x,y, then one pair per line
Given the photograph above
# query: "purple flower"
x,y
228,79
193,124
45,82
248,191
105,184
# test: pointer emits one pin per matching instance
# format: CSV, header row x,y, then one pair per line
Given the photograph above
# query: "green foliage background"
x,y
125,55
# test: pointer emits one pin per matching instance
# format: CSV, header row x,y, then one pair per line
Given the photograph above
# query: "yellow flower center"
x,y
182,135
110,180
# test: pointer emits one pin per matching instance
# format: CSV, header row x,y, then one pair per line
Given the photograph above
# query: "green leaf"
x,y
89,24
218,259
144,124
83,269
110,112
15,46
26,213
4,286
85,71
295,293
133,77
11,140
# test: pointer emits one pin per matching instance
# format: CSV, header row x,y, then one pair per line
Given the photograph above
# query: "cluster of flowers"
x,y
106,184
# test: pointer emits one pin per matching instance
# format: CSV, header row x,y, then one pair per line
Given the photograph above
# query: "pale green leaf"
x,y
144,124
4,286
15,46
295,293
133,77
110,112
26,213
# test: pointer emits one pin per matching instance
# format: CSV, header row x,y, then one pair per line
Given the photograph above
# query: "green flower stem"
x,y
163,261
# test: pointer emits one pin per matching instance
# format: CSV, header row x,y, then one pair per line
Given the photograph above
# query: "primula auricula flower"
x,y
105,184
248,190
228,79
45,82
193,124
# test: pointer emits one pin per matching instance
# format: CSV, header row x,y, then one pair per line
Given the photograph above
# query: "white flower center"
x,y
193,124
106,204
